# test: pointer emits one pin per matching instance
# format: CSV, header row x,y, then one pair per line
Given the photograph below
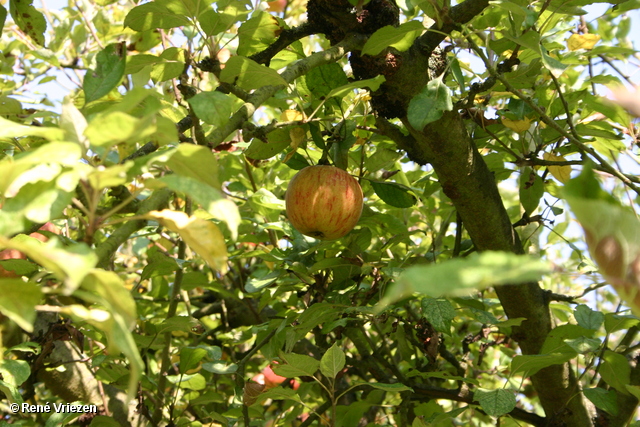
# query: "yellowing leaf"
x,y
517,125
561,173
202,236
582,41
291,116
297,135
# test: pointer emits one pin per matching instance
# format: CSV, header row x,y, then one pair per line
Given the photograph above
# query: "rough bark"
x,y
468,182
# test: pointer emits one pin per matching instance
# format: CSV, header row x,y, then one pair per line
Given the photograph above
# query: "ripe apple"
x,y
323,202
277,5
7,254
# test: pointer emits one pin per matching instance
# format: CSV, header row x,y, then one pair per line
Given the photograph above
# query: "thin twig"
x,y
606,167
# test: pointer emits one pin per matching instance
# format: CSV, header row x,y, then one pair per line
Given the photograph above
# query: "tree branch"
x,y
459,14
292,72
106,249
426,392
286,38
468,182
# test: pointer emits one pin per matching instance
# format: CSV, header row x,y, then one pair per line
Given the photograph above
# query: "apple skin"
x,y
277,5
16,254
323,202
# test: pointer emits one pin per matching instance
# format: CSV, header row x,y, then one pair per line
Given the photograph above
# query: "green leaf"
x,y
70,264
3,16
21,267
401,38
196,162
213,22
612,232
42,201
279,393
460,275
30,20
531,190
439,312
119,338
616,322
18,300
212,107
587,318
179,323
257,33
332,361
222,368
296,365
10,129
107,289
429,105
153,15
211,199
278,140
396,195
606,400
254,284
111,176
191,382
531,364
170,65
110,66
373,85
393,388
11,392
584,345
556,338
249,75
496,403
323,79
615,370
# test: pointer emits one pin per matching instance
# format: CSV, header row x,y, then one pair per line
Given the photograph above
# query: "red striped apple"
x,y
323,202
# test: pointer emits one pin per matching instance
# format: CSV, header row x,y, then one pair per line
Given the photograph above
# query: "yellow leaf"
x,y
297,135
202,236
561,173
291,116
517,125
582,41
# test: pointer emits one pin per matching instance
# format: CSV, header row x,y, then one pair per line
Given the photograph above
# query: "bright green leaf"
x,y
153,15
588,318
439,312
249,75
400,38
30,20
606,400
615,370
18,300
110,66
531,364
461,275
396,195
332,361
212,107
496,403
429,105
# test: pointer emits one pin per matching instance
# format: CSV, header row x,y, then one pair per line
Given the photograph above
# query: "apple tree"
x,y
148,266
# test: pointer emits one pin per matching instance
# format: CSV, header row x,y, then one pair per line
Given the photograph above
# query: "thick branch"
x,y
468,182
292,72
425,392
286,38
459,14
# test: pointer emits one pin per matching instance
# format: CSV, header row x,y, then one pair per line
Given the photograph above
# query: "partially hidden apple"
x,y
277,5
323,202
9,254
